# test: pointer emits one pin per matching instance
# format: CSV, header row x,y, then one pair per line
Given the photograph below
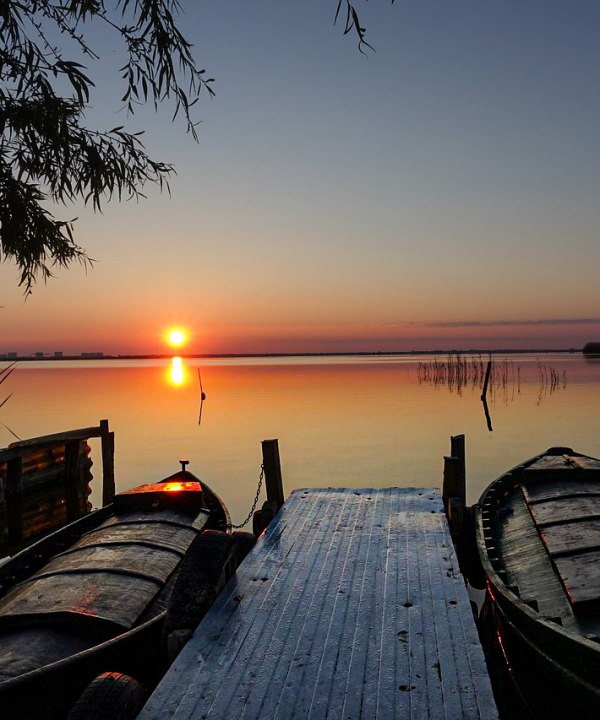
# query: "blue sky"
x,y
441,191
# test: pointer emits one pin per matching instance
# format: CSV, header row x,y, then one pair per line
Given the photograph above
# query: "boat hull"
x,y
93,596
538,621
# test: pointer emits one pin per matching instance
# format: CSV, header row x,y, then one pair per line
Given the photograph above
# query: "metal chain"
x,y
254,504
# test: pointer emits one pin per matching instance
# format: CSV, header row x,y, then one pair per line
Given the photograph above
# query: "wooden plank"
x,y
581,576
152,562
103,596
7,454
166,535
564,462
566,509
54,487
111,573
14,499
527,563
561,487
79,434
350,606
72,480
564,512
572,538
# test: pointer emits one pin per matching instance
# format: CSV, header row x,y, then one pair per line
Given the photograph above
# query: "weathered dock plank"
x,y
350,606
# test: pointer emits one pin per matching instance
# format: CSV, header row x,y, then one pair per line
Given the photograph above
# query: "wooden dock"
x,y
350,606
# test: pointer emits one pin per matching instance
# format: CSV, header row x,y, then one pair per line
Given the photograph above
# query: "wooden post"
x,y
455,485
273,479
108,463
273,487
451,479
457,450
486,412
14,500
487,379
454,490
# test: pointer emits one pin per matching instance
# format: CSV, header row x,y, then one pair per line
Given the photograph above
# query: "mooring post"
x,y
107,440
273,479
457,450
454,490
451,475
273,486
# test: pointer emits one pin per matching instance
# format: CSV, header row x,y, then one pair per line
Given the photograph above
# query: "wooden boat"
x,y
95,595
538,540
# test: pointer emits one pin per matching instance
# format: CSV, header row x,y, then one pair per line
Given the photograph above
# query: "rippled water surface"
x,y
369,421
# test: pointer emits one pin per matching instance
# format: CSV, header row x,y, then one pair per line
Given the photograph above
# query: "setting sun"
x,y
176,337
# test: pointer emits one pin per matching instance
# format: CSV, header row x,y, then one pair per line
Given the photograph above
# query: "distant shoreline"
x,y
225,356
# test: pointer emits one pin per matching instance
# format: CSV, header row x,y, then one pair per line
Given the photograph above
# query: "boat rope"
x,y
254,504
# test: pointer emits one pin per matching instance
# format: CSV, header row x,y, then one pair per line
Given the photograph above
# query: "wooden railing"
x,y
44,482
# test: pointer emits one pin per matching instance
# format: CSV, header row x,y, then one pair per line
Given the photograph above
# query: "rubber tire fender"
x,y
110,696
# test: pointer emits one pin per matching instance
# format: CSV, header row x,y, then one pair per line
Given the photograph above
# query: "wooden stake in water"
x,y
202,397
202,393
487,379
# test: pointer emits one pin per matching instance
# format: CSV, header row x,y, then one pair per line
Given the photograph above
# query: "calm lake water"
x,y
344,421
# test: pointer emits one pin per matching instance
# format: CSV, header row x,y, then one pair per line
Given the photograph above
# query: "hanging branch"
x,y
47,150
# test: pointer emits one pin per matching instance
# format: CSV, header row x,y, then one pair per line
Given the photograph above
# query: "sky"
x,y
440,191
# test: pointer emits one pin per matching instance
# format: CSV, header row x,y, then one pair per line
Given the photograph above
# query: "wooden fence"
x,y
45,482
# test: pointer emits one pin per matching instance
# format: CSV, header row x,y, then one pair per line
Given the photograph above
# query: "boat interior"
x,y
542,532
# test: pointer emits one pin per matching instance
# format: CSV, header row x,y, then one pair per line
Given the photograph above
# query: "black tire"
x,y
244,542
110,696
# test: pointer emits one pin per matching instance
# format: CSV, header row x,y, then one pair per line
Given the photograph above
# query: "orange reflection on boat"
x,y
162,487
172,487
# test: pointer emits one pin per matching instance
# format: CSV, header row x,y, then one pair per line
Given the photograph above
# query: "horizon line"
x,y
367,353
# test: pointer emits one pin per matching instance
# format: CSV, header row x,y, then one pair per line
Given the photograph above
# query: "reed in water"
x,y
459,371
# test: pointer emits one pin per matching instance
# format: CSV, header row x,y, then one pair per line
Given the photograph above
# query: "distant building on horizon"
x,y
92,355
58,353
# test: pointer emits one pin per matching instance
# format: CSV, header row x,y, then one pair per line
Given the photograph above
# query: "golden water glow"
x,y
177,374
176,337
350,414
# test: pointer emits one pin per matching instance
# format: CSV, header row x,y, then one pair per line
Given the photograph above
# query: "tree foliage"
x,y
47,151
352,23
48,154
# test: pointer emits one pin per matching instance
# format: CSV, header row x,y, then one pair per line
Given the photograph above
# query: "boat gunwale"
x,y
39,674
539,650
501,591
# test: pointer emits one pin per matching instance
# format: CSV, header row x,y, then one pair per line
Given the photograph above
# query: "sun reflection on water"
x,y
177,373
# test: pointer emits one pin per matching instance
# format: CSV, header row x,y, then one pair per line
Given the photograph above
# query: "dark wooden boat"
x,y
93,596
538,540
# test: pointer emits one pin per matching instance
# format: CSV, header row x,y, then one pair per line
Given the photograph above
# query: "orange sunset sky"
x,y
440,193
